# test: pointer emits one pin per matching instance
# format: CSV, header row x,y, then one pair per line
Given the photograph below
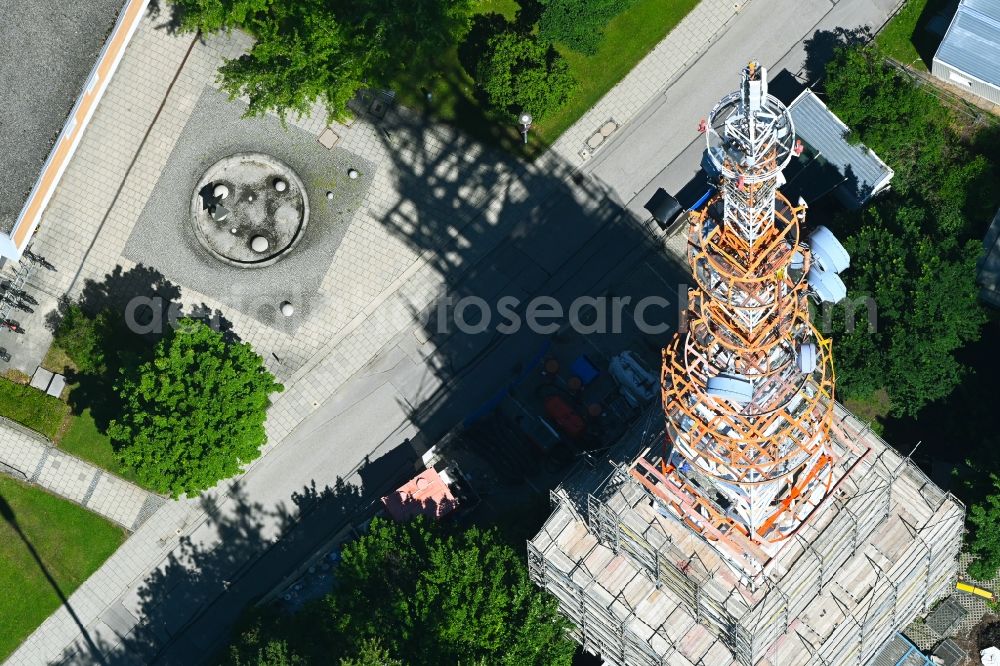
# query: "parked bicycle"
x,y
38,259
22,295
21,305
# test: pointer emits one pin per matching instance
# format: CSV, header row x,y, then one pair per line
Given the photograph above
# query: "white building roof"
x,y
824,133
972,43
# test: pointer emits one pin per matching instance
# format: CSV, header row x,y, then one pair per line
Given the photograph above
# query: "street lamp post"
x,y
525,120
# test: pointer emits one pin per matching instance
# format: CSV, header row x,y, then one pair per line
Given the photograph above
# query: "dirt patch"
x,y
981,636
16,376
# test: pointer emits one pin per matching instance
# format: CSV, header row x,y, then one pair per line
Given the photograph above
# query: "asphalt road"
x,y
416,385
662,146
360,433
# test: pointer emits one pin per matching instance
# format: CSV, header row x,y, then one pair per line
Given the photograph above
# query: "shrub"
x,y
81,337
984,539
579,24
518,73
193,414
254,649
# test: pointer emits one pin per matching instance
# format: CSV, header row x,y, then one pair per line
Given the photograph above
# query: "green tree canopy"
x,y
255,649
194,414
926,309
82,337
519,73
418,595
914,132
309,50
985,536
579,24
371,653
915,251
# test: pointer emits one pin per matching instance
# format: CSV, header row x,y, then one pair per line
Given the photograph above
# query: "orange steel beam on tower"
x,y
763,438
794,492
715,526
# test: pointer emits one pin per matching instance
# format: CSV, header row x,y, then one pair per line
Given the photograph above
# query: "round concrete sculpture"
x,y
249,210
287,309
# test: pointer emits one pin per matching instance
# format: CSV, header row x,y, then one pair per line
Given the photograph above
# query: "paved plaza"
x,y
163,237
431,206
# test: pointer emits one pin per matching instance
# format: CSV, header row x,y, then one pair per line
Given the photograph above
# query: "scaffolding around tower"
x,y
763,524
644,589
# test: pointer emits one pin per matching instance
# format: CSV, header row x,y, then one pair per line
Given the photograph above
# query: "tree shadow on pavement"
x,y
141,294
156,9
143,290
491,226
484,224
184,610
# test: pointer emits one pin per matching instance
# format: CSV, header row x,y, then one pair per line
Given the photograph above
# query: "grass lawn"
x,y
506,7
71,542
76,434
32,408
627,39
56,360
82,439
905,38
873,410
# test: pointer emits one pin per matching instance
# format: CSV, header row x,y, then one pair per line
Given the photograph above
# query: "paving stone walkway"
x,y
29,456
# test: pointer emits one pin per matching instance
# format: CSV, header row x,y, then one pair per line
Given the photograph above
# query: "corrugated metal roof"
x,y
824,133
972,43
990,8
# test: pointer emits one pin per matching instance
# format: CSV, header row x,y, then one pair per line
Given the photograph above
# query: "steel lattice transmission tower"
x,y
764,525
748,389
